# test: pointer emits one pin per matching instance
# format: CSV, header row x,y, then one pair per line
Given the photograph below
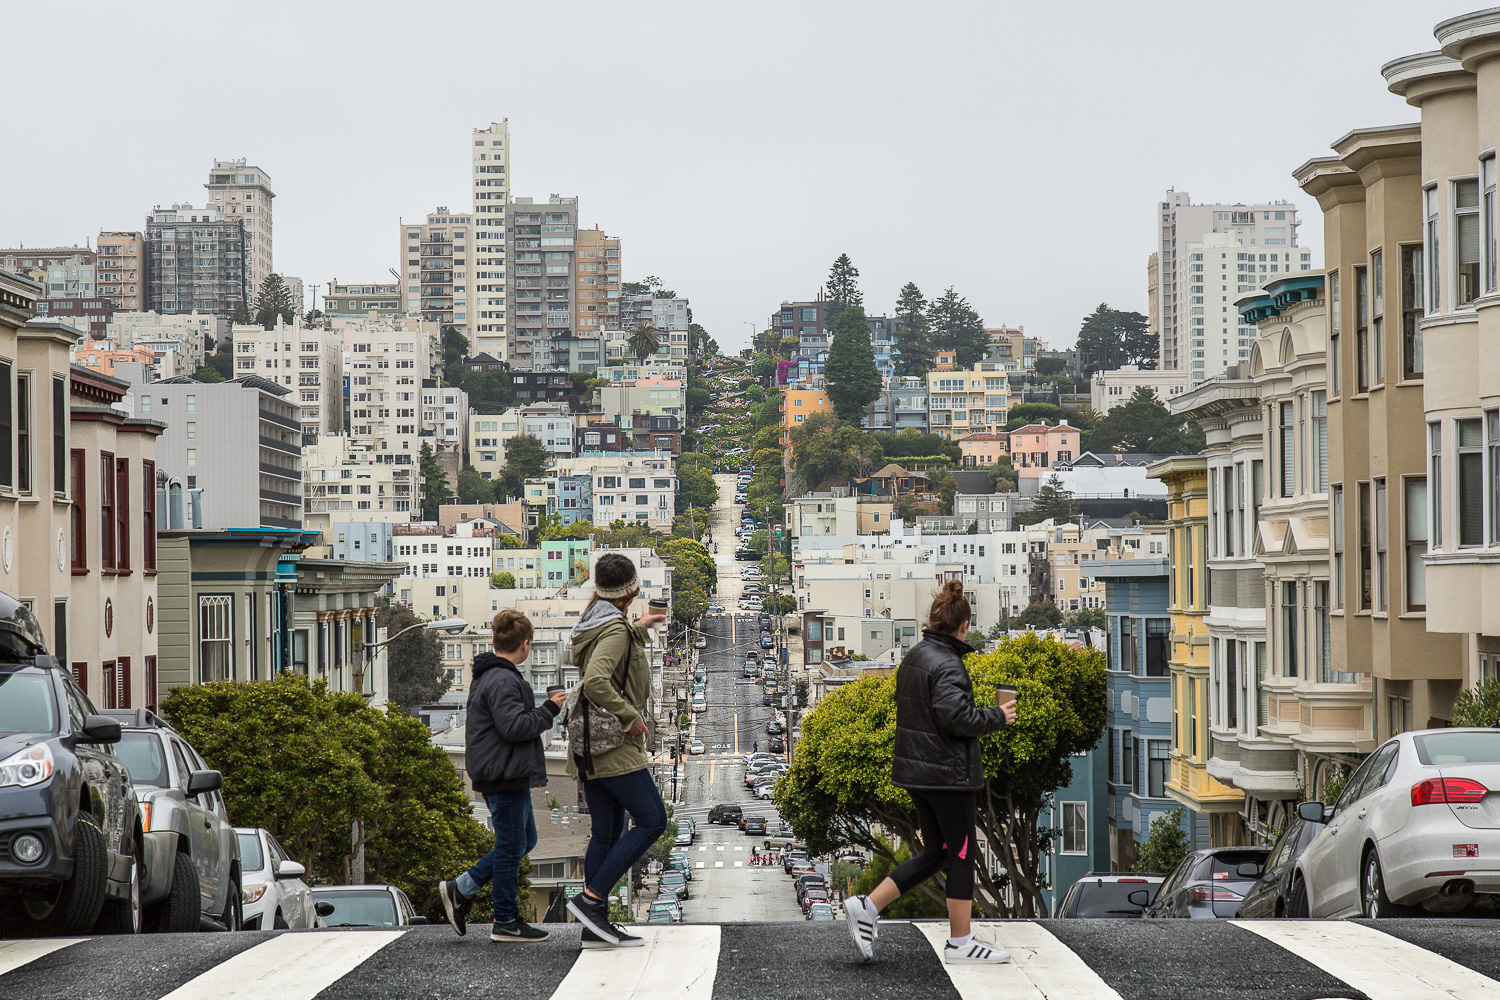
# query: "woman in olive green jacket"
x,y
611,656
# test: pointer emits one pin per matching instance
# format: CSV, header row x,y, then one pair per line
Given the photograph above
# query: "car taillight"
x,y
1212,894
1435,791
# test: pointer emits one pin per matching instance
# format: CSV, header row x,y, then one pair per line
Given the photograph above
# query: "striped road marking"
x,y
14,954
675,963
1378,965
1040,968
292,966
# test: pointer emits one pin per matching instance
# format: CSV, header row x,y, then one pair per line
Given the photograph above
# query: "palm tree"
x,y
644,340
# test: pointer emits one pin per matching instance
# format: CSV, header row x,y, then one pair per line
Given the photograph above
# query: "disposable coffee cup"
x,y
1005,695
554,688
658,604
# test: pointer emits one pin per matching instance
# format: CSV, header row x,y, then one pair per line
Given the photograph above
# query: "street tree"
x,y
696,488
913,336
1040,615
644,340
842,290
1109,338
306,764
434,483
273,301
414,661
241,315
850,374
957,327
1165,845
1055,501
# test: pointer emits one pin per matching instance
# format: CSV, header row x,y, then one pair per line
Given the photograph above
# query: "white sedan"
x,y
1417,825
271,890
695,747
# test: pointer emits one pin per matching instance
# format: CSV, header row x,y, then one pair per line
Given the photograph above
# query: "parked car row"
x,y
1415,828
112,823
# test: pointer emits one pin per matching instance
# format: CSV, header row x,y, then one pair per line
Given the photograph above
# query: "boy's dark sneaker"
x,y
456,906
594,915
516,930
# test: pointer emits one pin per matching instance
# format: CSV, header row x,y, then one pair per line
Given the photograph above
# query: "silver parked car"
x,y
275,897
192,853
1417,824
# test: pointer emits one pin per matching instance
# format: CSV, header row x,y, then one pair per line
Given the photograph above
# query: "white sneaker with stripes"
x,y
976,952
862,921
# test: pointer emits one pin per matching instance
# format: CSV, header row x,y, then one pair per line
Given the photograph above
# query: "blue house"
x,y
1077,813
1139,718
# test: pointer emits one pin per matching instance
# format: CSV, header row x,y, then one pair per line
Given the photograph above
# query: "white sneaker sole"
x,y
997,956
858,921
583,918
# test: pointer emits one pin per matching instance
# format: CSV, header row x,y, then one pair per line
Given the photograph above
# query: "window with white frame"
x,y
1430,247
1415,516
1435,484
1465,242
1075,828
1487,220
215,638
1470,481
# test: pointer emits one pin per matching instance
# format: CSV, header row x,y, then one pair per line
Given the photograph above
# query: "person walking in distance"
x,y
503,755
614,676
937,759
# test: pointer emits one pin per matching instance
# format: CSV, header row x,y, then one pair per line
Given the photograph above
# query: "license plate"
x,y
1466,850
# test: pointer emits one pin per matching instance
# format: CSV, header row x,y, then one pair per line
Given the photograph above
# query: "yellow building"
x,y
968,402
799,404
1186,478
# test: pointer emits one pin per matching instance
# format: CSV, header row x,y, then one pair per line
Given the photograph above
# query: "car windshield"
x,y
1439,749
1108,899
26,704
364,908
251,857
144,758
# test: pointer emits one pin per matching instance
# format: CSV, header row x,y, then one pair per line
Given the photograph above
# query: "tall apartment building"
x,y
597,293
297,293
306,360
1180,224
385,365
490,174
805,322
197,260
213,429
343,482
439,272
243,192
540,300
1153,300
121,270
1219,270
354,300
445,419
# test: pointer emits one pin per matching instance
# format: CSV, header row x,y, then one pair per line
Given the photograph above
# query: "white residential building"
x,y
342,480
438,271
189,335
660,396
385,364
486,447
490,173
306,360
1269,227
1219,270
243,193
626,491
445,419
432,551
1108,390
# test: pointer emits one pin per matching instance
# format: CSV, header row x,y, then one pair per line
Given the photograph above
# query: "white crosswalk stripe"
x,y
1378,965
680,964
1040,968
288,967
14,954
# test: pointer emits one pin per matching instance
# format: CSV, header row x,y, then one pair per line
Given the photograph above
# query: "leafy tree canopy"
x,y
525,458
435,490
1036,413
414,661
1110,338
274,302
1144,425
852,379
911,444
843,290
503,580
1165,845
825,450
913,336
957,327
1040,615
473,488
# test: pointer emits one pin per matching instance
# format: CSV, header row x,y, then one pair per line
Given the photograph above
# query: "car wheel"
x,y
233,917
123,916
179,912
1296,903
1374,903
76,903
280,923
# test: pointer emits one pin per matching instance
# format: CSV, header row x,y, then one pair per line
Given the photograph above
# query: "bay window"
x,y
1430,248
1470,469
1465,242
1411,311
1416,543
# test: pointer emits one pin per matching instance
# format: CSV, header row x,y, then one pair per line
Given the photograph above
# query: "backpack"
x,y
590,728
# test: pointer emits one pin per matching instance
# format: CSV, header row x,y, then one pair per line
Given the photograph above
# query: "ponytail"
x,y
950,608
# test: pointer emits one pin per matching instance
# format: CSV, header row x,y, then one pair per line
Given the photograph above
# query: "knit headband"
x,y
625,589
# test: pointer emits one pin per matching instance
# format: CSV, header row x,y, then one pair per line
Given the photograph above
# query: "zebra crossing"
x,y
1051,960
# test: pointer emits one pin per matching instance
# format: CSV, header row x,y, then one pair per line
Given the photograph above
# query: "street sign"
x,y
569,891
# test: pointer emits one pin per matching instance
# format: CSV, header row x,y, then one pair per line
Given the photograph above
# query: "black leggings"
x,y
947,823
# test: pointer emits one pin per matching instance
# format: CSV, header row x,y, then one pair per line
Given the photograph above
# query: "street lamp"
x,y
448,625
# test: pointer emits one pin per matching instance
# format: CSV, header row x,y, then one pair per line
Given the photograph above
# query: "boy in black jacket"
x,y
503,755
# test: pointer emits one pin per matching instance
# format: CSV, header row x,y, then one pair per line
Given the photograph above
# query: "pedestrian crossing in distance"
x,y
1432,959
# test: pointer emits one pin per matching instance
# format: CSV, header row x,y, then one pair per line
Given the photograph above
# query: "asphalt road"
x,y
1052,960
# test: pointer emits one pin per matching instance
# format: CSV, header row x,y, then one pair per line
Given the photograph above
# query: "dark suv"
x,y
728,815
70,830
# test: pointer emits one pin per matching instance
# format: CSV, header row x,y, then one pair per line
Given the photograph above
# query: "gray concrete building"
x,y
540,298
213,429
197,260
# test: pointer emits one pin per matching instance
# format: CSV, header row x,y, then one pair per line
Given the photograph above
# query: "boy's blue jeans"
x,y
515,836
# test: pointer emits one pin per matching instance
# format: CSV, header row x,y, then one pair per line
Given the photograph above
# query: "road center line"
x,y
1378,965
1040,968
14,954
291,966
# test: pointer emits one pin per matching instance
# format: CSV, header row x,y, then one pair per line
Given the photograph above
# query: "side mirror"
x,y
1313,812
323,908
418,920
1140,897
290,869
204,781
1248,870
100,729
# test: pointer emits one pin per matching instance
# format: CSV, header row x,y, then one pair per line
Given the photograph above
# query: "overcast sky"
x,y
1013,150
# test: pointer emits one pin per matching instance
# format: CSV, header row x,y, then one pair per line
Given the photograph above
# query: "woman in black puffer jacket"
x,y
938,760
